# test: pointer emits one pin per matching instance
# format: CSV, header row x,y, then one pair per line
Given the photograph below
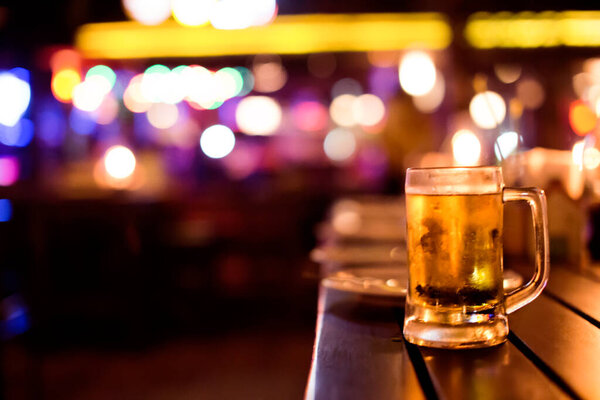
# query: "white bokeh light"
x,y
192,12
217,141
368,110
466,148
15,95
119,162
417,73
487,109
258,115
506,144
431,101
162,115
339,144
148,12
342,110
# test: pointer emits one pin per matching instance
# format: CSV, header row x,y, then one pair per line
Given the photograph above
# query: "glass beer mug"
x,y
454,218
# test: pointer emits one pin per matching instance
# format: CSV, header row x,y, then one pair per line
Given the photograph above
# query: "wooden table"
x,y
553,350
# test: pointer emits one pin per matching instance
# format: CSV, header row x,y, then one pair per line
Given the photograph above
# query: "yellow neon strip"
x,y
531,30
288,34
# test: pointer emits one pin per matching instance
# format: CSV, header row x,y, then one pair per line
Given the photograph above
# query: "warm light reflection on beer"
x,y
487,109
417,73
466,148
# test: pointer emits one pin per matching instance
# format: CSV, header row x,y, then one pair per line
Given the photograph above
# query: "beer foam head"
x,y
459,180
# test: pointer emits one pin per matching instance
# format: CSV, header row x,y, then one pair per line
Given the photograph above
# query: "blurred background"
x,y
164,165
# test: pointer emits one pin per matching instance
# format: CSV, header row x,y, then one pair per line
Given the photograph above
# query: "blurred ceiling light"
x,y
310,116
339,144
105,73
506,144
62,84
15,95
148,12
431,101
321,65
217,141
192,12
269,76
507,73
258,115
487,109
368,110
531,93
9,170
65,59
133,98
342,110
582,118
417,73
288,34
241,14
529,30
18,135
162,115
119,162
591,158
466,148
577,153
346,86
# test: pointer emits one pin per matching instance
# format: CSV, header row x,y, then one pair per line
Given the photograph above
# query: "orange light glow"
x,y
581,118
65,59
63,83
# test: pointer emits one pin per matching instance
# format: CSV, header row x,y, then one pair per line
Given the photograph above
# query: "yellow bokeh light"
x,y
258,115
466,148
63,83
582,118
487,109
192,12
417,73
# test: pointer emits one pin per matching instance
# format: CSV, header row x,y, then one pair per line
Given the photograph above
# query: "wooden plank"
x,y
359,353
565,342
577,291
500,372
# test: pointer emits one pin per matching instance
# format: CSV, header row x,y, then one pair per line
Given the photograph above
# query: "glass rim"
x,y
458,168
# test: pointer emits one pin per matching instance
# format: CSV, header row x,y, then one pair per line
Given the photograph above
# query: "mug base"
x,y
455,328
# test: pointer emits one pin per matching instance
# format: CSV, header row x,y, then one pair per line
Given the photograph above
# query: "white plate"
x,y
389,281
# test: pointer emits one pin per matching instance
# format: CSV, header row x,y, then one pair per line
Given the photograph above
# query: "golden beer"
x,y
455,250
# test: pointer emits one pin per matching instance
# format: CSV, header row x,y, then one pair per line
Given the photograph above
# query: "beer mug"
x,y
454,240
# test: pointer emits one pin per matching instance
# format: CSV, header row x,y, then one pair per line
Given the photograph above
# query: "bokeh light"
x,y
119,162
228,82
248,80
368,110
108,110
240,14
487,109
466,148
432,100
156,83
89,94
192,12
339,144
105,75
591,158
162,115
507,73
217,141
577,153
65,59
506,144
148,12
82,122
9,170
310,116
19,135
133,98
346,86
342,110
581,118
258,115
5,210
15,95
62,84
531,93
269,74
202,88
417,73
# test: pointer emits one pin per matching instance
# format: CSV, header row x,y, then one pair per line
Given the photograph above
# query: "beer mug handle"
x,y
532,289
